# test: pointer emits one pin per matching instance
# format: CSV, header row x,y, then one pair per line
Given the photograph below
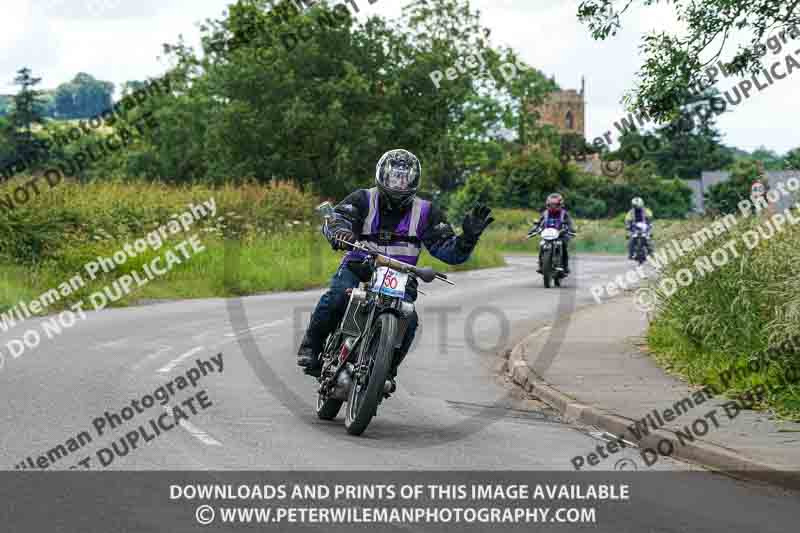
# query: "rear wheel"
x,y
328,408
367,390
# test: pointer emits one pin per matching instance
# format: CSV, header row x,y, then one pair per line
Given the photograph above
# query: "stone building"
x,y
565,110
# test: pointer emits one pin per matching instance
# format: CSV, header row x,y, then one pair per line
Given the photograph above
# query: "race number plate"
x,y
390,282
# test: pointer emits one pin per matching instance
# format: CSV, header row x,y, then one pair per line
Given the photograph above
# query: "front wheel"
x,y
547,268
368,389
641,251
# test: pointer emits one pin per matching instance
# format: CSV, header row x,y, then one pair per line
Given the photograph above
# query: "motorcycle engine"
x,y
344,382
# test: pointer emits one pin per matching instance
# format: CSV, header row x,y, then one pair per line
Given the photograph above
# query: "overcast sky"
x,y
120,40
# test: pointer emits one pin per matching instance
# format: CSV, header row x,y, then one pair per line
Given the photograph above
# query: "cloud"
x,y
96,9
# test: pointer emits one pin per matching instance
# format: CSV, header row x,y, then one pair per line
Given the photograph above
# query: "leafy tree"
x,y
526,178
725,196
596,196
686,152
83,97
27,110
682,148
322,110
479,188
674,64
574,145
792,159
769,158
7,148
49,103
129,87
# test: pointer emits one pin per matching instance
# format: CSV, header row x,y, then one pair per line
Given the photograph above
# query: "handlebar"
x,y
561,232
426,274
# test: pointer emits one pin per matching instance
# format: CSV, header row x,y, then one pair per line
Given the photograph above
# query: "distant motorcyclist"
x,y
391,219
555,216
638,213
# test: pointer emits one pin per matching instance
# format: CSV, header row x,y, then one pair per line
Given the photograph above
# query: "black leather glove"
x,y
343,234
477,221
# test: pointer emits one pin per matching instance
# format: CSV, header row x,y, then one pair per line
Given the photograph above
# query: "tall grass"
x,y
742,317
262,238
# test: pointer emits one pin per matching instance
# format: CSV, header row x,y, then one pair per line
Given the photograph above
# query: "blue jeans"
x,y
330,311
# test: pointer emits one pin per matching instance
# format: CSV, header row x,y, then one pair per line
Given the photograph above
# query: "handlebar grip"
x,y
426,274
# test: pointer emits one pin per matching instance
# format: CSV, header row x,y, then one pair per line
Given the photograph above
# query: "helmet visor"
x,y
399,178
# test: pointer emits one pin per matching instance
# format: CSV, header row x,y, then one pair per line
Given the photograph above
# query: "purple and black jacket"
x,y
399,234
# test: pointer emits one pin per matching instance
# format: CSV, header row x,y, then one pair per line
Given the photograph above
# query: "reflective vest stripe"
x,y
369,220
372,213
416,214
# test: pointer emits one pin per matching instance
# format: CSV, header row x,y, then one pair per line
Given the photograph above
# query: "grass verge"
x,y
50,239
737,327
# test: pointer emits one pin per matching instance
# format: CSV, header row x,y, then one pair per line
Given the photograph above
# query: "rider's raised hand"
x,y
477,221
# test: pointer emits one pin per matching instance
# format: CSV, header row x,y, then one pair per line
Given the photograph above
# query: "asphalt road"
x,y
451,412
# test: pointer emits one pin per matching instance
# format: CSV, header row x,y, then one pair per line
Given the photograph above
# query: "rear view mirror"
x,y
325,209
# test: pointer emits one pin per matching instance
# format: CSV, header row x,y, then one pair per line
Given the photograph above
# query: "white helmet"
x,y
637,202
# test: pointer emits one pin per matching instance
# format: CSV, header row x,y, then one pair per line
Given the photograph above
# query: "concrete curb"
x,y
717,458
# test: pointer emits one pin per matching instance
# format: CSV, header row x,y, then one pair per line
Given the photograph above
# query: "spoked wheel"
x,y
368,389
547,269
328,408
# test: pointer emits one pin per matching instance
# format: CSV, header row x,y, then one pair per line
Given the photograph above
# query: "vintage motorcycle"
x,y
551,254
358,355
640,233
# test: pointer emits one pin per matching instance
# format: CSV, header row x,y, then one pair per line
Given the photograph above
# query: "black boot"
x,y
391,384
308,354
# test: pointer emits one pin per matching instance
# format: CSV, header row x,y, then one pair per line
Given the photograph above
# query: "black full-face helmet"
x,y
397,176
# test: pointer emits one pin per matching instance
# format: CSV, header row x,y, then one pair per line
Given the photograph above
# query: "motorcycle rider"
x,y
638,213
391,219
555,216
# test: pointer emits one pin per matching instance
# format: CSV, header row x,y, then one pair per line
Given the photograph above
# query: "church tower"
x,y
565,110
